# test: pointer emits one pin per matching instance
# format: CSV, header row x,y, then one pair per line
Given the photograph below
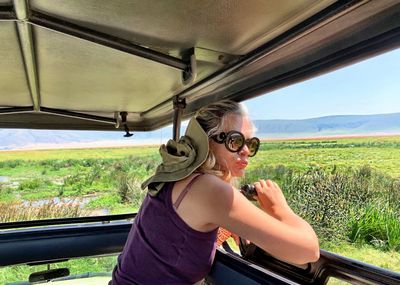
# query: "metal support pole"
x,y
28,51
110,41
78,115
179,105
15,110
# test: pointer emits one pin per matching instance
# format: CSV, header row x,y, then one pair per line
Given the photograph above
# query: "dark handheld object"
x,y
249,191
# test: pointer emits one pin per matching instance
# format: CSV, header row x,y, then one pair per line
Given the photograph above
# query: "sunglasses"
x,y
234,141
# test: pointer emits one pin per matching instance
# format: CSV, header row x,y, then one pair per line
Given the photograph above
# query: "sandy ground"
x,y
77,145
383,135
116,143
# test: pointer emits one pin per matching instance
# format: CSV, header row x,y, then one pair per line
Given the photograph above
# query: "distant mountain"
x,y
330,126
316,127
25,138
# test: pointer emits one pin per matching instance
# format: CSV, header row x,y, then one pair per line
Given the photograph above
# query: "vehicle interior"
x,y
128,66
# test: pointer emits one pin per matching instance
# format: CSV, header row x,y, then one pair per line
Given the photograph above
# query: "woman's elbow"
x,y
311,255
314,256
300,255
313,248
305,258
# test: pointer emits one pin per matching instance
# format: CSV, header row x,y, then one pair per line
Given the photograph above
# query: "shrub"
x,y
107,201
321,199
10,163
30,184
376,225
129,189
6,193
19,211
328,199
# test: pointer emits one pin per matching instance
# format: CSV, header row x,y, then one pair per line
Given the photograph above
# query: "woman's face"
x,y
235,162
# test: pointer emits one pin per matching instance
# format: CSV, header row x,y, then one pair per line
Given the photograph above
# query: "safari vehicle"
x,y
131,66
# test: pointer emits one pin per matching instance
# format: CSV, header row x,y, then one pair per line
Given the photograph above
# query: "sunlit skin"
x,y
213,202
233,161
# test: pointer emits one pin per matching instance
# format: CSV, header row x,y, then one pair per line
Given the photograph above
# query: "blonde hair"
x,y
213,119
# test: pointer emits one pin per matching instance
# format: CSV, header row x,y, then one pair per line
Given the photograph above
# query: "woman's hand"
x,y
271,199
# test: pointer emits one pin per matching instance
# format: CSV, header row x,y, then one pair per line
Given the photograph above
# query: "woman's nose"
x,y
245,150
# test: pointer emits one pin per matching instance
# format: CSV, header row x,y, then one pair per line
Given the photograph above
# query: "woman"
x,y
172,240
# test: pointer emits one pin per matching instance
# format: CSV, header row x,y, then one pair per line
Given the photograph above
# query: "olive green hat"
x,y
179,158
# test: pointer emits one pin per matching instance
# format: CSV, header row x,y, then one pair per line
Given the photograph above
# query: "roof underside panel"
x,y
78,64
13,84
78,75
229,26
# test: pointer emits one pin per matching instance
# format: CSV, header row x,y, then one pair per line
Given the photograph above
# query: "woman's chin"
x,y
238,173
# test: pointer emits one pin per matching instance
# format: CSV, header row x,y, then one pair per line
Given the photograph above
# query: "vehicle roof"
x,y
81,64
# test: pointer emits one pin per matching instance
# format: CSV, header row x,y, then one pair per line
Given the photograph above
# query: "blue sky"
x,y
371,86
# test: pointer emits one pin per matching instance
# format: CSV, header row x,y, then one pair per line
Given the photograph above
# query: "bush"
x,y
337,203
107,201
376,225
6,194
19,211
31,184
10,163
129,189
321,199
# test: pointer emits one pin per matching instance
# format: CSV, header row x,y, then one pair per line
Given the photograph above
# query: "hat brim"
x,y
199,140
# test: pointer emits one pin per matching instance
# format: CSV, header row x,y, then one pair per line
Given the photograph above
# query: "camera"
x,y
249,191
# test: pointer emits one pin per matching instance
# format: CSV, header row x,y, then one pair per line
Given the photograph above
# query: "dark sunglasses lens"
x,y
253,145
234,141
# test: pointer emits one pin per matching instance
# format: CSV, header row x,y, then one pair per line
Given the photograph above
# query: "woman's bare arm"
x,y
274,226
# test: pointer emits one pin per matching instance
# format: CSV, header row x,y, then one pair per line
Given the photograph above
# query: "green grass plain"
x,y
380,153
83,153
106,174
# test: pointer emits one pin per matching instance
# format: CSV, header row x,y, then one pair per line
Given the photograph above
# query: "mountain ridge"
x,y
331,125
336,125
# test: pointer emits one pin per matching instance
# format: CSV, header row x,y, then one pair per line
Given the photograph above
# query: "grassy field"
x,y
348,189
71,154
380,153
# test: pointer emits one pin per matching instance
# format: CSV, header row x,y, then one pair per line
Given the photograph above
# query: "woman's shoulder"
x,y
213,197
210,184
210,179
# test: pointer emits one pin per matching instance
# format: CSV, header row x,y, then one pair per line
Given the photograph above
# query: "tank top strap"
x,y
184,192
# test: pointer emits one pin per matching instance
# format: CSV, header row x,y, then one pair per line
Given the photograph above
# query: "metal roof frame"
x,y
242,77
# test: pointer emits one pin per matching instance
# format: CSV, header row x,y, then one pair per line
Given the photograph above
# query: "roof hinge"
x,y
190,72
179,106
124,123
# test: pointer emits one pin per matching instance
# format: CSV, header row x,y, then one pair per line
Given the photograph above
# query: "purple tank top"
x,y
162,249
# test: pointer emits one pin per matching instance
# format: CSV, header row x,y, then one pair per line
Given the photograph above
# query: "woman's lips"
x,y
242,163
